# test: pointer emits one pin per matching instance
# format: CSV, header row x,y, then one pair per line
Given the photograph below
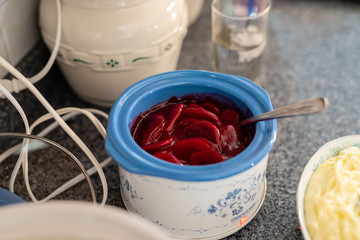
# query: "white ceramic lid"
x,y
70,220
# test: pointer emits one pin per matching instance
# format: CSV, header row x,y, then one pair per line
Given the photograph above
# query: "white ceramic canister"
x,y
107,45
197,202
194,10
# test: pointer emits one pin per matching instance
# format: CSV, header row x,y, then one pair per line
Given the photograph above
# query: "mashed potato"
x,y
332,199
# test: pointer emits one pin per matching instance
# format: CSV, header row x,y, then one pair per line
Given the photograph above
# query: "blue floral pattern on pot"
x,y
234,203
237,205
130,189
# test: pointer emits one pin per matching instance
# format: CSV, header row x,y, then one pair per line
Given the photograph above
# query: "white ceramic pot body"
x,y
107,45
190,209
196,202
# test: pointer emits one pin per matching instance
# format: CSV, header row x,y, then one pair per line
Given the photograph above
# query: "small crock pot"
x,y
209,201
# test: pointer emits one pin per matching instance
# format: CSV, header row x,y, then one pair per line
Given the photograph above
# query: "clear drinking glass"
x,y
239,32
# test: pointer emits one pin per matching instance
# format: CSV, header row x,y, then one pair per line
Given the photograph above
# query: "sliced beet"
x,y
205,157
183,149
167,157
173,113
211,107
203,129
229,116
160,144
194,105
201,114
214,146
155,125
187,121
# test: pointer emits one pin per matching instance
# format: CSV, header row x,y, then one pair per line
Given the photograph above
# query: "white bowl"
x,y
72,220
328,150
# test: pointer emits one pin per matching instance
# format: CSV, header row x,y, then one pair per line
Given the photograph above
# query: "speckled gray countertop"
x,y
313,50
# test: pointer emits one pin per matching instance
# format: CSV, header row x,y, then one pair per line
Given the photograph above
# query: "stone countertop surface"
x,y
313,50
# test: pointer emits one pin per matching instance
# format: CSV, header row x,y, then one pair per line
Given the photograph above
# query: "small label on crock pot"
x,y
243,220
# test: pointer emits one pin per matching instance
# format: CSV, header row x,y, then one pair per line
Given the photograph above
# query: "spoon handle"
x,y
310,106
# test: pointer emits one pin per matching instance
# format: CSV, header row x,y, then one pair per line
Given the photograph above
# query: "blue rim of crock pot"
x,y
128,154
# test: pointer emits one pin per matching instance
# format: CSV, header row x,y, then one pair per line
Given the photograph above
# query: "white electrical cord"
x,y
56,146
5,86
23,153
51,127
47,130
15,85
62,123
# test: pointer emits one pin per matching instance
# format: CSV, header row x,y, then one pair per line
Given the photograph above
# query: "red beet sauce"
x,y
192,130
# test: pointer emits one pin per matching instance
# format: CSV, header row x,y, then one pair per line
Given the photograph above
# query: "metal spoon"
x,y
310,106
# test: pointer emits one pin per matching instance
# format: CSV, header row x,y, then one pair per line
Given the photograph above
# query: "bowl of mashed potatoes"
x,y
328,195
